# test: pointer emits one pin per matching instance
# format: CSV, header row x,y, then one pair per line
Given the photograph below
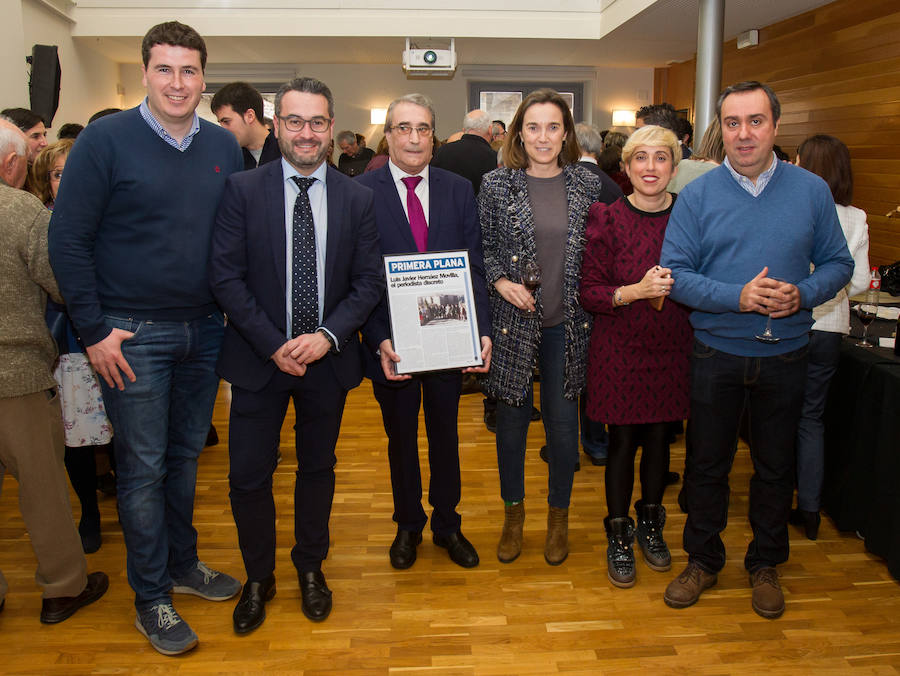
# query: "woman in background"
x,y
707,156
84,417
829,158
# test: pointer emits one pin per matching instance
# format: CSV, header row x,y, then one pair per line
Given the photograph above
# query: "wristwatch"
x,y
327,337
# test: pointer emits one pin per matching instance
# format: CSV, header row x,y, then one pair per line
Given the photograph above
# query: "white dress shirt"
x,y
421,190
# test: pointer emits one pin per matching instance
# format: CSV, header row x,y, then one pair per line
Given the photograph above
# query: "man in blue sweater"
x,y
740,242
129,243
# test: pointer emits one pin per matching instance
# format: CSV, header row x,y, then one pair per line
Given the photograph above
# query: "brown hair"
x,y
175,34
829,158
514,155
40,170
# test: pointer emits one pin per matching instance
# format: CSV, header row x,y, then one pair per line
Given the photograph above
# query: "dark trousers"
x,y
256,419
723,386
824,354
438,393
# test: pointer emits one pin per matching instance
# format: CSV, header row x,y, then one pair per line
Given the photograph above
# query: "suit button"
x,y
515,259
504,331
585,325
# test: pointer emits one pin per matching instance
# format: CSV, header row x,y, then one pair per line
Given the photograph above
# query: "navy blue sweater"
x,y
719,237
131,226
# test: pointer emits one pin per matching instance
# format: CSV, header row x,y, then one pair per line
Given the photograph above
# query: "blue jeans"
x,y
723,386
560,416
594,437
824,354
161,421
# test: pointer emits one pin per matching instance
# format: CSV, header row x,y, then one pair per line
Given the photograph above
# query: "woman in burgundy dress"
x,y
639,350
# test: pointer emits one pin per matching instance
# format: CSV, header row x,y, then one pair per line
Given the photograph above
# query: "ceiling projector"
x,y
429,61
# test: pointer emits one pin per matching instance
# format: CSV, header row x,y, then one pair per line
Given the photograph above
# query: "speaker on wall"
x,y
43,87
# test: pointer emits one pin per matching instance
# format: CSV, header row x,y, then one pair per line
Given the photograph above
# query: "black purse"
x,y
890,278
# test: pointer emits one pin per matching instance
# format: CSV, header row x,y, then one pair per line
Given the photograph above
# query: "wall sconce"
x,y
377,115
623,118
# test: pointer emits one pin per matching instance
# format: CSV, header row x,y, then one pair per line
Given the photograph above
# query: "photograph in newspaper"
x,y
431,304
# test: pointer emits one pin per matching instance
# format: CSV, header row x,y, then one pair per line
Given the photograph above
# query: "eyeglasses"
x,y
296,123
406,129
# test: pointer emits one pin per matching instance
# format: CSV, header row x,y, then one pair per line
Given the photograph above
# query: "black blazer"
x,y
470,157
452,224
248,274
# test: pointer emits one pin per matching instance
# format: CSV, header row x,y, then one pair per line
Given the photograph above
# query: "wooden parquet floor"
x,y
843,608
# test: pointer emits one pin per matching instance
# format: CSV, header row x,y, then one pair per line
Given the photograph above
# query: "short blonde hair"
x,y
652,135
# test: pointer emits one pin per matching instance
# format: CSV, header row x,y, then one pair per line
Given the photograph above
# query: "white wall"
x,y
13,85
89,80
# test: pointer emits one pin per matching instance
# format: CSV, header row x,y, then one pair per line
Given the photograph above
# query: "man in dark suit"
x,y
471,156
239,108
421,208
295,266
591,145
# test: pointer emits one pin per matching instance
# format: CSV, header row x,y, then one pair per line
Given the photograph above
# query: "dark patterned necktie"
x,y
304,282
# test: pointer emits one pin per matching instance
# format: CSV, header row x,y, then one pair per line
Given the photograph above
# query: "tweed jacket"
x,y
25,282
507,227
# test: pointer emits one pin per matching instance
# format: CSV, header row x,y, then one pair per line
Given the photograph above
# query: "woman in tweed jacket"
x,y
535,210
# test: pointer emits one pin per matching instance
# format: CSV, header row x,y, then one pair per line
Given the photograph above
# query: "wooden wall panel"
x,y
836,71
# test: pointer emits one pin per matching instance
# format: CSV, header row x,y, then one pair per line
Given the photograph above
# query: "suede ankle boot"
x,y
650,522
556,548
510,545
620,552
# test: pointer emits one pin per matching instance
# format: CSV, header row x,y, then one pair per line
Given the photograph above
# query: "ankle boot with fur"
x,y
650,522
620,552
556,548
510,545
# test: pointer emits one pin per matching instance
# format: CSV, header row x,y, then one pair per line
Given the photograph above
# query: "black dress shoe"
x,y
63,607
250,611
461,551
546,458
672,478
315,595
403,549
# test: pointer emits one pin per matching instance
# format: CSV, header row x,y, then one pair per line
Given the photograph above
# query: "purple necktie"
x,y
417,222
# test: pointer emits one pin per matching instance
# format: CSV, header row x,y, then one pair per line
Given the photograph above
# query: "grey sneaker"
x,y
207,583
165,629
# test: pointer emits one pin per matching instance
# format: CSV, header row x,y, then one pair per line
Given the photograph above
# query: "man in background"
x,y
354,158
31,428
471,156
239,108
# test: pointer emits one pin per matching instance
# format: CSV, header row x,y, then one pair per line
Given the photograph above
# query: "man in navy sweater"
x,y
129,243
739,243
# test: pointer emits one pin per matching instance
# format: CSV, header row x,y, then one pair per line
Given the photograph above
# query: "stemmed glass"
x,y
531,276
767,336
867,312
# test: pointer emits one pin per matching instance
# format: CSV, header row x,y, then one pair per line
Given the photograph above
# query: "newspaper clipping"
x,y
432,307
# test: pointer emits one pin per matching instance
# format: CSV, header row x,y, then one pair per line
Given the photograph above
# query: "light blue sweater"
x,y
720,237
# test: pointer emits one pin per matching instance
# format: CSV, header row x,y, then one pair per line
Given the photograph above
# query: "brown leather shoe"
x,y
556,547
768,600
510,545
685,589
61,608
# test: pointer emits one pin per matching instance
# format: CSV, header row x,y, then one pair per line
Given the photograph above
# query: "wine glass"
x,y
867,311
767,336
531,277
